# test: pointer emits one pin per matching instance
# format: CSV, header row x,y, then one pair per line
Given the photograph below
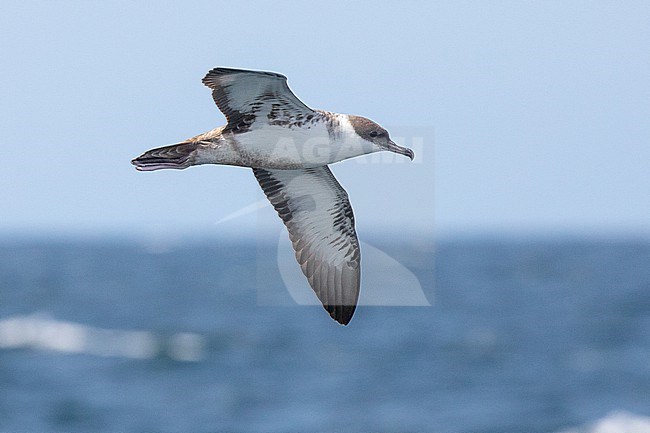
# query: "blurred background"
x,y
155,301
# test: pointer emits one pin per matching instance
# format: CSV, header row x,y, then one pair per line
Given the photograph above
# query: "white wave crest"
x,y
42,332
616,422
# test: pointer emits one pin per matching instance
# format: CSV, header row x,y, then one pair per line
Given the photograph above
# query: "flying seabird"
x,y
289,145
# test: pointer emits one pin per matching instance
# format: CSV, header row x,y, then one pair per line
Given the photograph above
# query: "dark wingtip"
x,y
214,73
341,313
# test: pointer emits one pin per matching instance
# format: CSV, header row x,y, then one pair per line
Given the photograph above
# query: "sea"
x,y
516,335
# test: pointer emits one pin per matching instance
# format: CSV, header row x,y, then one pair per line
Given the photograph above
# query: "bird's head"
x,y
378,136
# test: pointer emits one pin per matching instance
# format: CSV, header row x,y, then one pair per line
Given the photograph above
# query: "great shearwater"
x,y
288,145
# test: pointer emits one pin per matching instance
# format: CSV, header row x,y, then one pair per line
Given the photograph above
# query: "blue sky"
x,y
531,116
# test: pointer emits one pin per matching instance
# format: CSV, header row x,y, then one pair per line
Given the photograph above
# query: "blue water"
x,y
522,336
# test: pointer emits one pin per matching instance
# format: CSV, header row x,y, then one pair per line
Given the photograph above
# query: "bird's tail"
x,y
177,156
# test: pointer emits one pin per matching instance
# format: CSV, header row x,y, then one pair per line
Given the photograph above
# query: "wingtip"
x,y
341,313
213,73
207,80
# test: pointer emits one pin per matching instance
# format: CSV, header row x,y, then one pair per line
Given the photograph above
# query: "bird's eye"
x,y
373,134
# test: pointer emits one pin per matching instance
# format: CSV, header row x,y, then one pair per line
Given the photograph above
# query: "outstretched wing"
x,y
243,96
317,213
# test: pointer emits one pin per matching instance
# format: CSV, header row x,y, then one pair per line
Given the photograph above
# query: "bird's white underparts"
x,y
289,145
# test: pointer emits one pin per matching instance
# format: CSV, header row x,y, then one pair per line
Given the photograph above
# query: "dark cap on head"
x,y
370,131
366,128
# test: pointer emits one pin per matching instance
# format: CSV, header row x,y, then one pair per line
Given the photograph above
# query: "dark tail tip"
x,y
176,156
